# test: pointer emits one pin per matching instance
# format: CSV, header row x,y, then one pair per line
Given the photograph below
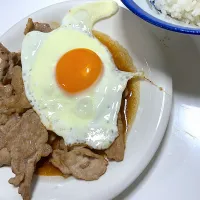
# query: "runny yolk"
x,y
78,69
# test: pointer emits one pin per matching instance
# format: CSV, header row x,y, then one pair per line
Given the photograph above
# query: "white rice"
x,y
187,11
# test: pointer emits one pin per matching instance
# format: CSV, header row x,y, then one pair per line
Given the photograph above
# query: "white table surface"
x,y
174,172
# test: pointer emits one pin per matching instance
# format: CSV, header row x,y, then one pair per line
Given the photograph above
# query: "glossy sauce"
x,y
124,62
45,168
129,104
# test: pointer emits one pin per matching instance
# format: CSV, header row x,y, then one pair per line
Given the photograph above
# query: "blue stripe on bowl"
x,y
157,22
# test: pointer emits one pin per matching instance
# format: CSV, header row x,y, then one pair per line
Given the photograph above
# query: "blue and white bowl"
x,y
144,10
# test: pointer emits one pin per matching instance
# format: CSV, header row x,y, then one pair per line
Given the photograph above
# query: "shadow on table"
x,y
184,67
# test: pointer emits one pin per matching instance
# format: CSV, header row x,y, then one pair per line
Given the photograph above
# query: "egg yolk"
x,y
78,69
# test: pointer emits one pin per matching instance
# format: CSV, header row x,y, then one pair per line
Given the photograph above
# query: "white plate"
x,y
148,128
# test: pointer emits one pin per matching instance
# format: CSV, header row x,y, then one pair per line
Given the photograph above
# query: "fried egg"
x,y
71,80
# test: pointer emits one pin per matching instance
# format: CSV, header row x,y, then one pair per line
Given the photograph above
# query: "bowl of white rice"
x,y
175,15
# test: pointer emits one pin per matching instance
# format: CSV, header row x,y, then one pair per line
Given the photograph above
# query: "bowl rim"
x,y
131,5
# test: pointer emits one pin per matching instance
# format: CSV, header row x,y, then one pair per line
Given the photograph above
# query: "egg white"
x,y
89,117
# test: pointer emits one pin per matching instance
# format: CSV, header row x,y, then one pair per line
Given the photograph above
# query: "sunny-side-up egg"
x,y
71,80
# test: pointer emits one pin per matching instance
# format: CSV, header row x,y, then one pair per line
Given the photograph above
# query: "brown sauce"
x,y
124,62
129,104
45,168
